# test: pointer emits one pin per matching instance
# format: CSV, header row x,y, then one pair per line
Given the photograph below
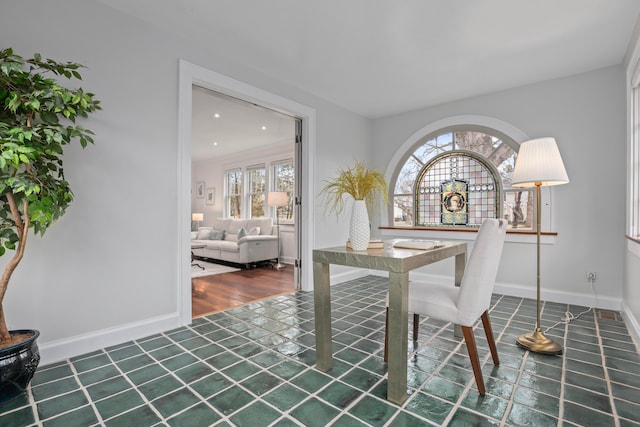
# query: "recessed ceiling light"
x,y
216,115
215,144
264,128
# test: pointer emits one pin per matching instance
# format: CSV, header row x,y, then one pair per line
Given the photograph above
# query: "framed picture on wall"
x,y
210,196
200,189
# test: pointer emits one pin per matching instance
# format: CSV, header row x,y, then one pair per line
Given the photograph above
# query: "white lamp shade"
x,y
277,198
539,161
197,217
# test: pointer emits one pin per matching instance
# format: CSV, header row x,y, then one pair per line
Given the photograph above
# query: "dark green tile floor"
x,y
254,366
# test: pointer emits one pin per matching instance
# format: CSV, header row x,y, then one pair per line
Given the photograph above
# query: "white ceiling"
x,y
381,57
240,127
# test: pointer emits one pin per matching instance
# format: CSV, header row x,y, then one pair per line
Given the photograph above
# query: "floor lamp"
x,y
539,164
278,199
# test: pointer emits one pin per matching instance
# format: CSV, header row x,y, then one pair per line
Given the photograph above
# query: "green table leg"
x,y
398,340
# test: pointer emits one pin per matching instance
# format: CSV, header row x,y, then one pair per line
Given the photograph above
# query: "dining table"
x,y
398,262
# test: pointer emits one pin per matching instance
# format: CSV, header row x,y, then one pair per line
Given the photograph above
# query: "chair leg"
x,y
386,336
416,323
486,323
470,340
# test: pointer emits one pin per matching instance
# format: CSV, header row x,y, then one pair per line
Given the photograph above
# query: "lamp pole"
x,y
536,341
277,199
539,163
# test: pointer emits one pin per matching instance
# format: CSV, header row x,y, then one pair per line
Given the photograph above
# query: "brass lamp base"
x,y
537,342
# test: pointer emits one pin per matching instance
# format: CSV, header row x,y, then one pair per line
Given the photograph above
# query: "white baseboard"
x,y
55,351
587,300
632,324
562,297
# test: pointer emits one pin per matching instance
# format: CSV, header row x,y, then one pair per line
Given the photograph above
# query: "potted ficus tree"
x,y
37,119
367,187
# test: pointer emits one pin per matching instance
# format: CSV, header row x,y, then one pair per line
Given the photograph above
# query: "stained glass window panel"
x,y
432,192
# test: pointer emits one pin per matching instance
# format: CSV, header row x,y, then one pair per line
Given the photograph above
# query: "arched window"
x,y
456,177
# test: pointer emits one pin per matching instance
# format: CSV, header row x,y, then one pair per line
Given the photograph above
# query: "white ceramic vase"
x,y
359,231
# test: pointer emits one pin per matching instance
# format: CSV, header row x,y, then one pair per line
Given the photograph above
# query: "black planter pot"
x,y
18,363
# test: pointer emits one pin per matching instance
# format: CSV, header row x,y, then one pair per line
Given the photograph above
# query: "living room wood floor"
x,y
219,292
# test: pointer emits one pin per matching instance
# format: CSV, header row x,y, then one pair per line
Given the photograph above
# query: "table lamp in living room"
x,y
197,218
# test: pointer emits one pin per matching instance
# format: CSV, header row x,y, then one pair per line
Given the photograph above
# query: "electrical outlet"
x,y
591,276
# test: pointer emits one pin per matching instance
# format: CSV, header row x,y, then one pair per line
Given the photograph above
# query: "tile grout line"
x,y
354,402
86,395
34,408
507,411
170,372
287,413
458,404
235,383
563,377
126,378
603,359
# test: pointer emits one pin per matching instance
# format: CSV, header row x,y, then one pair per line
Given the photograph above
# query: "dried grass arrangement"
x,y
359,182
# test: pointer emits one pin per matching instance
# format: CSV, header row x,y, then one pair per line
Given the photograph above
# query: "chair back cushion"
x,y
481,271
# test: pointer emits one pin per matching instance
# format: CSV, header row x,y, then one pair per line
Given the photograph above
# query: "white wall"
x,y
107,271
585,113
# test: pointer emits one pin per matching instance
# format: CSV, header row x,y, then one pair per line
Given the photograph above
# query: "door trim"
x,y
190,74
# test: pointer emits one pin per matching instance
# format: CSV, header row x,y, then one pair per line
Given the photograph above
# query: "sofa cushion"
x,y
242,233
221,223
265,225
235,225
204,234
217,234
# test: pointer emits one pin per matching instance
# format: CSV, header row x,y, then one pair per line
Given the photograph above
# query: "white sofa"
x,y
239,241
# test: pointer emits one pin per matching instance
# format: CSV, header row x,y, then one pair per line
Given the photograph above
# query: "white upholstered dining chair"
x,y
466,304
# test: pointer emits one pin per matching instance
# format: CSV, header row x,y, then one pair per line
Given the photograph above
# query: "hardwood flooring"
x,y
219,292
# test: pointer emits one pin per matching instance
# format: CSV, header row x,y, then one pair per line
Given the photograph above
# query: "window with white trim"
x,y
456,177
246,187
284,180
233,193
257,187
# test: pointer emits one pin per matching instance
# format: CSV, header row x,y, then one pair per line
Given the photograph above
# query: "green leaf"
x,y
29,86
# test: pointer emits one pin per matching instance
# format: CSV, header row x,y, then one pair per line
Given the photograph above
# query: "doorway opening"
x,y
191,75
244,157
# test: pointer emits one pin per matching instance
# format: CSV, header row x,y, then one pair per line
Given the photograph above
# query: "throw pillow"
x,y
232,237
217,234
241,233
254,231
203,235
